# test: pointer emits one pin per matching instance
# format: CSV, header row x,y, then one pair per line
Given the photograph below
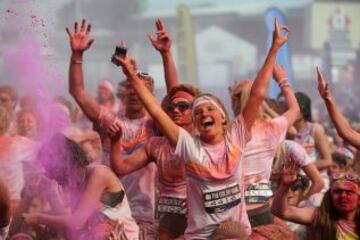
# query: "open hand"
x,y
278,38
80,40
163,42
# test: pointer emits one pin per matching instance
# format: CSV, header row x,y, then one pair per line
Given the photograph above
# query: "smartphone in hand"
x,y
120,51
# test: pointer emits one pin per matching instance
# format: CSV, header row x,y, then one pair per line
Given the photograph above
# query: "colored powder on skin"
x,y
27,71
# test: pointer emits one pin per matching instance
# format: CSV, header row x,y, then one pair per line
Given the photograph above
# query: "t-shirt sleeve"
x,y
152,146
187,147
280,128
297,153
238,132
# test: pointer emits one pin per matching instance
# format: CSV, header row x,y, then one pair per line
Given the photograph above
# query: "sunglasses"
x,y
350,176
296,186
182,106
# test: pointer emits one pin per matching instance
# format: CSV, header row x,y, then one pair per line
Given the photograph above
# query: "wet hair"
x,y
60,157
324,223
305,105
10,91
188,88
4,120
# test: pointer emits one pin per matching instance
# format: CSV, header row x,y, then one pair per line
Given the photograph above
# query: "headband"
x,y
206,99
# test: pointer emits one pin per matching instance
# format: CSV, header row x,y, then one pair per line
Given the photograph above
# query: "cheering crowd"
x,y
129,167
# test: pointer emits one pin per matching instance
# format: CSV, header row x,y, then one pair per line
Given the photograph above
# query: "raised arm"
x,y
322,144
163,44
281,209
341,124
80,41
166,125
124,165
317,183
260,86
293,111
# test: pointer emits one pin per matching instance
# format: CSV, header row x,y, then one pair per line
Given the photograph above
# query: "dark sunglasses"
x,y
296,186
182,106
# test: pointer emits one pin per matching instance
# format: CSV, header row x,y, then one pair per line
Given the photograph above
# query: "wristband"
x,y
76,61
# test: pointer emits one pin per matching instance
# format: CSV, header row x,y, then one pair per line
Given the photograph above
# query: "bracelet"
x,y
284,84
76,61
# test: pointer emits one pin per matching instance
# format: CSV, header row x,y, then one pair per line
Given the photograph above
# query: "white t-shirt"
x,y
139,185
19,150
171,175
121,213
292,152
260,151
214,180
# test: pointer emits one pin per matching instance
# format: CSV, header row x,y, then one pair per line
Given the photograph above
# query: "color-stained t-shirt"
x,y
139,185
306,138
346,230
13,154
214,180
292,151
171,175
260,151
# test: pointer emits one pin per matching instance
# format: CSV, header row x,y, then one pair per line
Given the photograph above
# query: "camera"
x,y
120,51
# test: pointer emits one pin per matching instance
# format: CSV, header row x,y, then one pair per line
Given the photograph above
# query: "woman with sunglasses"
x,y
338,216
171,207
213,154
95,195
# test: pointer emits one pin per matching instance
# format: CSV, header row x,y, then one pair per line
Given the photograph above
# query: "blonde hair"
x,y
240,93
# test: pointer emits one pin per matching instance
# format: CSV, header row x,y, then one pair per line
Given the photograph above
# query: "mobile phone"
x,y
120,51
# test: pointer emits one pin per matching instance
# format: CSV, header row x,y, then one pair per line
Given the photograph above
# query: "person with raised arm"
x,y
163,44
213,154
171,207
137,127
267,135
341,123
338,216
171,204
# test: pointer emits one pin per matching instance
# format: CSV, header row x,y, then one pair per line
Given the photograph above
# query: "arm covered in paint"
x,y
260,86
80,41
163,45
124,165
341,123
293,107
280,207
166,125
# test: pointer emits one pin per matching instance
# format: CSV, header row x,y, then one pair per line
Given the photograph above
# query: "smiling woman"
x,y
213,155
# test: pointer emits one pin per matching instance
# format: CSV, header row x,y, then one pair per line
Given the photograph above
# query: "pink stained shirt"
x,y
214,180
171,175
260,151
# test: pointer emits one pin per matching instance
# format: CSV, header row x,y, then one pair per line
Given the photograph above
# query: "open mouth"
x,y
207,123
